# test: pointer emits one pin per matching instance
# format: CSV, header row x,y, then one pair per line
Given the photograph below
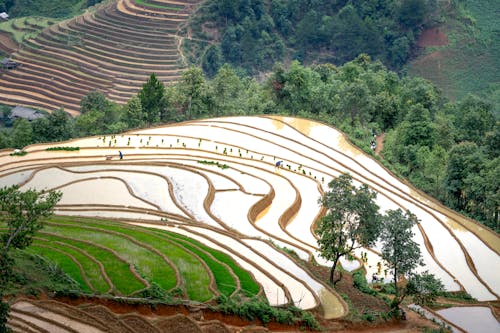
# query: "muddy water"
x,y
235,215
332,308
149,187
15,178
249,182
51,316
349,265
473,319
300,225
301,296
108,214
307,301
219,182
332,305
102,192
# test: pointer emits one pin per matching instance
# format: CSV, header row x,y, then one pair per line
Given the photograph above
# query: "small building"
x,y
4,16
25,113
6,63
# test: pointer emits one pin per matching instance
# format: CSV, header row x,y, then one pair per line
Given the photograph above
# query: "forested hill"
x,y
254,34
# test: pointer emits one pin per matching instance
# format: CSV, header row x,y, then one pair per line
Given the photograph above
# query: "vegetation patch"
x,y
248,285
259,308
156,5
19,153
77,235
216,163
62,148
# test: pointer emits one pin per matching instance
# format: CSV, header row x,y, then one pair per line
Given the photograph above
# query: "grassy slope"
x,y
470,62
19,30
64,242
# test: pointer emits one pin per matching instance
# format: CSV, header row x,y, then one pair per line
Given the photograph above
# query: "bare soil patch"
x,y
380,143
7,44
432,37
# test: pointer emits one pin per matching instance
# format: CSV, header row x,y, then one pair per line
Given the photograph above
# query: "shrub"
x,y
359,281
19,153
259,308
63,148
222,166
154,292
388,289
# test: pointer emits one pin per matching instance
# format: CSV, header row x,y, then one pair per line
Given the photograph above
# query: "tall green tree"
x,y
152,97
132,113
21,213
474,118
352,220
465,160
22,134
193,88
94,101
399,251
57,126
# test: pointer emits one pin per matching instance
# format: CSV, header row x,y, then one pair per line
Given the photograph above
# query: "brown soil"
x,y
380,143
7,44
432,37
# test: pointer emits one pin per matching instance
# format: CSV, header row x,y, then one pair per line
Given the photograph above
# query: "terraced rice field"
x,y
28,315
113,49
215,182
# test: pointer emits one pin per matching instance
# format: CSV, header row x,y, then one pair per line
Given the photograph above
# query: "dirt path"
x,y
380,143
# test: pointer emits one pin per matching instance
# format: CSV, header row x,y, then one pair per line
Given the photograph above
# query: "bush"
x,y
359,281
222,166
19,153
259,308
154,292
63,148
388,289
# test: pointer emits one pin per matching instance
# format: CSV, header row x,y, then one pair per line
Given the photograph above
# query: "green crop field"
x,y
109,257
24,28
154,5
468,63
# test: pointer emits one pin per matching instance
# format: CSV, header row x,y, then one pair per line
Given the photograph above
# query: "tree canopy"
x,y
402,256
21,212
256,34
351,221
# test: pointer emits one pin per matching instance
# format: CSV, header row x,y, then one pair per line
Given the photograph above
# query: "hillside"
x,y
461,56
215,180
113,49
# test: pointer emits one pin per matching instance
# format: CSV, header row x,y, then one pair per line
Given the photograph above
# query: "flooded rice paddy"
x,y
221,176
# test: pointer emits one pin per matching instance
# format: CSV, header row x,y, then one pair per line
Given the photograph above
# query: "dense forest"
x,y
449,150
255,34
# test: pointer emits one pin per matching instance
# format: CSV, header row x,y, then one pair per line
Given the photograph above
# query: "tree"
x,y
57,126
465,159
132,113
21,212
424,288
94,101
473,119
192,87
22,134
352,220
401,253
152,96
212,60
